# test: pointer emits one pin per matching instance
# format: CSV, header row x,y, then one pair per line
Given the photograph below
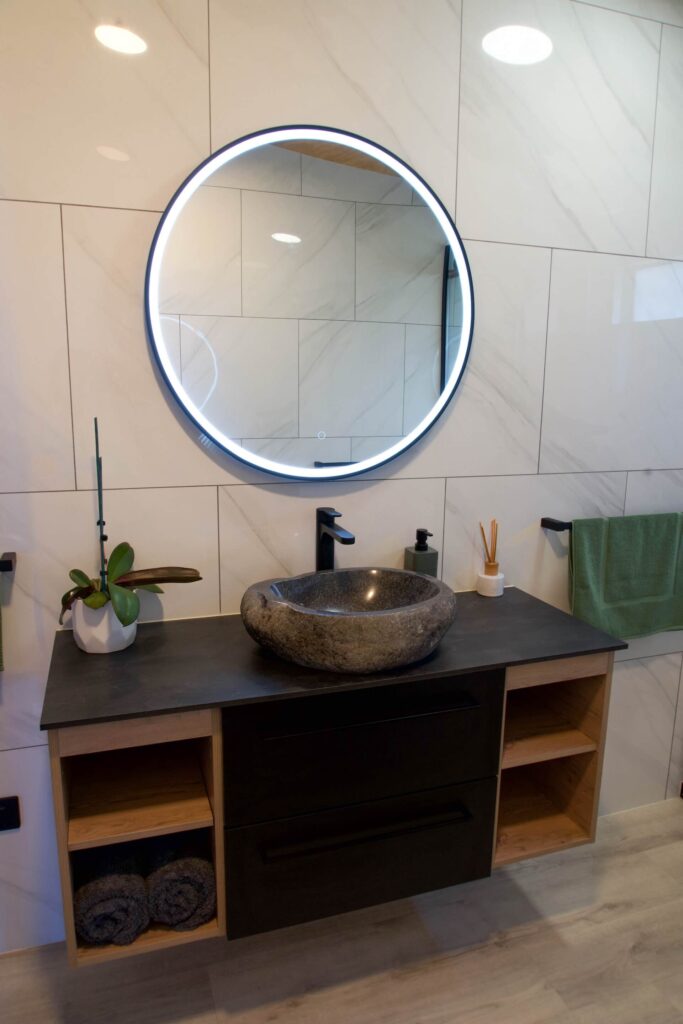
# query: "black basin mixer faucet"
x,y
326,532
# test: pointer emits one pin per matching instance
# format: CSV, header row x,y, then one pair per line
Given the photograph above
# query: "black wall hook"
x,y
8,561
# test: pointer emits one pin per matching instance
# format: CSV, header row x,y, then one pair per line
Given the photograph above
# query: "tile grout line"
x,y
280,482
673,732
627,14
80,206
68,350
654,138
208,68
545,364
218,537
457,128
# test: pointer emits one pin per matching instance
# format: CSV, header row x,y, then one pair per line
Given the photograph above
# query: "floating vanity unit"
x,y
319,793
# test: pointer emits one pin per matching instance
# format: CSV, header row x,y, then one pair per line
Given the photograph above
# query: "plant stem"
x,y
100,503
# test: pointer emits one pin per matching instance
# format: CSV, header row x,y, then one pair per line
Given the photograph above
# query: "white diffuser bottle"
x,y
490,582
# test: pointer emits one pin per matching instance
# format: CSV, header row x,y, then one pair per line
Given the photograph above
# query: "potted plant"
x,y
105,607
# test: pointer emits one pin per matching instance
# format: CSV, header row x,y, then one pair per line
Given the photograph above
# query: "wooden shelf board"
x,y
534,734
530,824
131,794
156,937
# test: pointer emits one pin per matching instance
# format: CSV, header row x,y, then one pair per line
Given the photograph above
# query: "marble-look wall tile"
x,y
201,270
558,153
34,382
492,425
612,382
311,278
268,169
531,558
351,59
654,491
146,440
366,447
339,181
399,264
659,10
242,373
55,532
88,125
639,732
270,531
665,227
422,373
351,378
30,894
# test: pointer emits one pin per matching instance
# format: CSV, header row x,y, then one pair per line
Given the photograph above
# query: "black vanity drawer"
x,y
298,756
299,869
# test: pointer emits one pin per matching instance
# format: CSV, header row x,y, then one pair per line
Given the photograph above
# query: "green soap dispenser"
x,y
422,558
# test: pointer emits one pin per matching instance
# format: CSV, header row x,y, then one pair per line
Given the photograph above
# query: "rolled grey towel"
x,y
113,908
182,893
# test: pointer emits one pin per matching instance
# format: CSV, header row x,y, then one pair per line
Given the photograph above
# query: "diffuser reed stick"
x,y
490,548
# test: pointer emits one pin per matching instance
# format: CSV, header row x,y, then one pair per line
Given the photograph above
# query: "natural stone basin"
x,y
350,620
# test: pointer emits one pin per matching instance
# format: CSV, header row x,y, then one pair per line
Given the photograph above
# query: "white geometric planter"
x,y
98,631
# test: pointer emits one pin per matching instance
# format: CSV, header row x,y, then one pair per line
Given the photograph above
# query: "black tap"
x,y
326,532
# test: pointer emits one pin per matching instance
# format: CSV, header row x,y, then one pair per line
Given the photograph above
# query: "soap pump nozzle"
x,y
421,539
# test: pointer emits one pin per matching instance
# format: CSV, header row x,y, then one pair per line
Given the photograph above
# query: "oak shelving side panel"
x,y
551,759
103,797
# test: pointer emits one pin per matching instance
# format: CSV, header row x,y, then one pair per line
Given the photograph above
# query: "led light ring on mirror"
x,y
153,316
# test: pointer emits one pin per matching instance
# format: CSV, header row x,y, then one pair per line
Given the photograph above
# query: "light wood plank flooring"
x,y
594,934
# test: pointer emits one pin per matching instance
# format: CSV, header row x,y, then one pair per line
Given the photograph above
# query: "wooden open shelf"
x,y
537,732
118,783
551,756
131,794
156,937
530,823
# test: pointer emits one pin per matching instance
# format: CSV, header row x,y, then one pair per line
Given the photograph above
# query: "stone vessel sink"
x,y
350,620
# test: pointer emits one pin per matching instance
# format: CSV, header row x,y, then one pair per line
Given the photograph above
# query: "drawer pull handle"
x,y
468,704
287,851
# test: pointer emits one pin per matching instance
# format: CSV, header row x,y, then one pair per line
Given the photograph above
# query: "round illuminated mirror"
x,y
309,302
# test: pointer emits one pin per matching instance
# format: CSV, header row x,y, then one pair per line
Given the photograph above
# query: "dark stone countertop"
x,y
212,662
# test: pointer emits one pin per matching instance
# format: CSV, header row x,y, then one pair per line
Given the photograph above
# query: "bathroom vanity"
x,y
320,793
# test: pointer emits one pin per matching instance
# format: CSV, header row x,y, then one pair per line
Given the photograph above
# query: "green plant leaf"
x,y
126,604
120,561
151,587
96,600
80,578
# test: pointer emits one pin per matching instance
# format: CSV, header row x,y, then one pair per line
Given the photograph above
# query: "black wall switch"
x,y
9,813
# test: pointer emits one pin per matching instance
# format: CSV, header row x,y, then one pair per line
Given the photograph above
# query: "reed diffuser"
x,y
491,582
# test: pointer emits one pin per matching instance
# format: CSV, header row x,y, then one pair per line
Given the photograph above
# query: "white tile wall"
x,y
553,155
564,146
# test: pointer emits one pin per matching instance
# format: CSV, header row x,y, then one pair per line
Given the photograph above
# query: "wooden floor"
x,y
594,934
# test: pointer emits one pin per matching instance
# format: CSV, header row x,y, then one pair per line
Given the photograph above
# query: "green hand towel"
x,y
626,573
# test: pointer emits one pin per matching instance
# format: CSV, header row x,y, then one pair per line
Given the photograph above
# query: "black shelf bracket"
x,y
555,524
8,561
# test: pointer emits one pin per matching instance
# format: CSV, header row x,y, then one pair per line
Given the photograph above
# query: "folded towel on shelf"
x,y
181,887
626,573
112,906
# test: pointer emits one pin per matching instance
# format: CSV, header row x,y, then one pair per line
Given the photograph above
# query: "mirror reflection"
x,y
310,304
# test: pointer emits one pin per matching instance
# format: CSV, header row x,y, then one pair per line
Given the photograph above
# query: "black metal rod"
x,y
8,562
100,509
555,524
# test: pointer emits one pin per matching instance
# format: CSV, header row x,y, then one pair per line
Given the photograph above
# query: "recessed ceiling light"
x,y
120,39
282,236
111,153
517,44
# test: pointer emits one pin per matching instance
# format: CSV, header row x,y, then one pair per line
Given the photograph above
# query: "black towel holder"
x,y
558,525
8,561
